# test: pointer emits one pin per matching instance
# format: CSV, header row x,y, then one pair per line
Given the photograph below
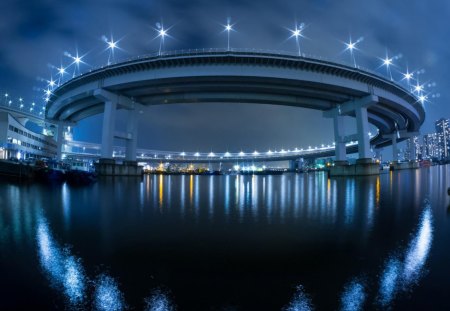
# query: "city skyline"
x,y
238,126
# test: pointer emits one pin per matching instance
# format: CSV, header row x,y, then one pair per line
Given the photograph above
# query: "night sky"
x,y
35,35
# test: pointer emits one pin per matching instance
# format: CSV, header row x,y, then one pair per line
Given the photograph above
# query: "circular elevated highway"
x,y
239,76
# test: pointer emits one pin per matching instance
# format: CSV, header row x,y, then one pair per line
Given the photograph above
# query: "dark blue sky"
x,y
34,35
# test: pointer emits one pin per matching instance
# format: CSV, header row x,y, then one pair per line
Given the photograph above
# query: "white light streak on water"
x,y
300,301
158,301
107,294
64,270
400,275
353,297
51,257
74,280
389,282
419,249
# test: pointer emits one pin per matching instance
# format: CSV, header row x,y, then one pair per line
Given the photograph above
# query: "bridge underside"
x,y
243,78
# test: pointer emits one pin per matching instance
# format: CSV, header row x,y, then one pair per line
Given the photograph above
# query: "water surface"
x,y
290,242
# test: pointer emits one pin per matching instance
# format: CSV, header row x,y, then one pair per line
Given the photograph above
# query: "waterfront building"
x,y
17,141
430,146
413,149
443,138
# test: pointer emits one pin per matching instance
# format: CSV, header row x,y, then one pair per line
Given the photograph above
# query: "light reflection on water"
x,y
312,207
63,269
396,276
158,301
268,199
418,249
389,282
65,272
300,301
107,295
400,275
353,297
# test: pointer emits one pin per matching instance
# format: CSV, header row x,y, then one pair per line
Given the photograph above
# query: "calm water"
x,y
291,242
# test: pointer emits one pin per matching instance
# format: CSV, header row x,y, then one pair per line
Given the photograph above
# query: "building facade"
x,y
16,141
413,150
443,138
430,146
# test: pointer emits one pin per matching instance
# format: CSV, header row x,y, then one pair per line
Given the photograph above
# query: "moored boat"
x,y
80,178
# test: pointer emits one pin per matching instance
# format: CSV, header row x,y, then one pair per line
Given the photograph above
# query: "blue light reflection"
x,y
418,250
107,294
400,275
158,301
389,282
353,297
300,301
62,268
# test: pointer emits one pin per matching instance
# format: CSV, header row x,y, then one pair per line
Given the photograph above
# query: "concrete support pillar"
x,y
394,148
292,165
378,153
340,150
362,124
59,142
132,130
109,121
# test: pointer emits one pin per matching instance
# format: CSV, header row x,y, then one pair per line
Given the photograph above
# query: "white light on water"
x,y
63,269
419,248
158,301
108,297
353,297
389,282
300,301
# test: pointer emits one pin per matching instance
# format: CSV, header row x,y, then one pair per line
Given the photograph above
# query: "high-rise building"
x,y
443,138
430,146
413,149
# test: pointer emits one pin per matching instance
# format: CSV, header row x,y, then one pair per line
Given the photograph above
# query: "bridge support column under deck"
x,y
293,165
109,121
358,108
132,130
362,125
394,148
396,164
378,153
340,149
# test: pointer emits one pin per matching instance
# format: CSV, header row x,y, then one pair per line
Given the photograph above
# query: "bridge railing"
x,y
214,51
93,150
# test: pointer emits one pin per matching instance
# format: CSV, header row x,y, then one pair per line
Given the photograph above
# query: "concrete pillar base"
x,y
340,163
109,167
364,161
403,165
361,168
292,165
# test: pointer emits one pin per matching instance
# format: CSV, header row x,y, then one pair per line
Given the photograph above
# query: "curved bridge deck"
x,y
240,77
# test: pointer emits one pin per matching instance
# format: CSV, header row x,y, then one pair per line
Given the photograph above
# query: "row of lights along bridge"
x,y
411,78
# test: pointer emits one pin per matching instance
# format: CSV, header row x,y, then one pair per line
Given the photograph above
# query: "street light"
x,y
51,83
408,76
388,62
351,46
61,73
162,33
228,28
297,33
111,45
76,60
